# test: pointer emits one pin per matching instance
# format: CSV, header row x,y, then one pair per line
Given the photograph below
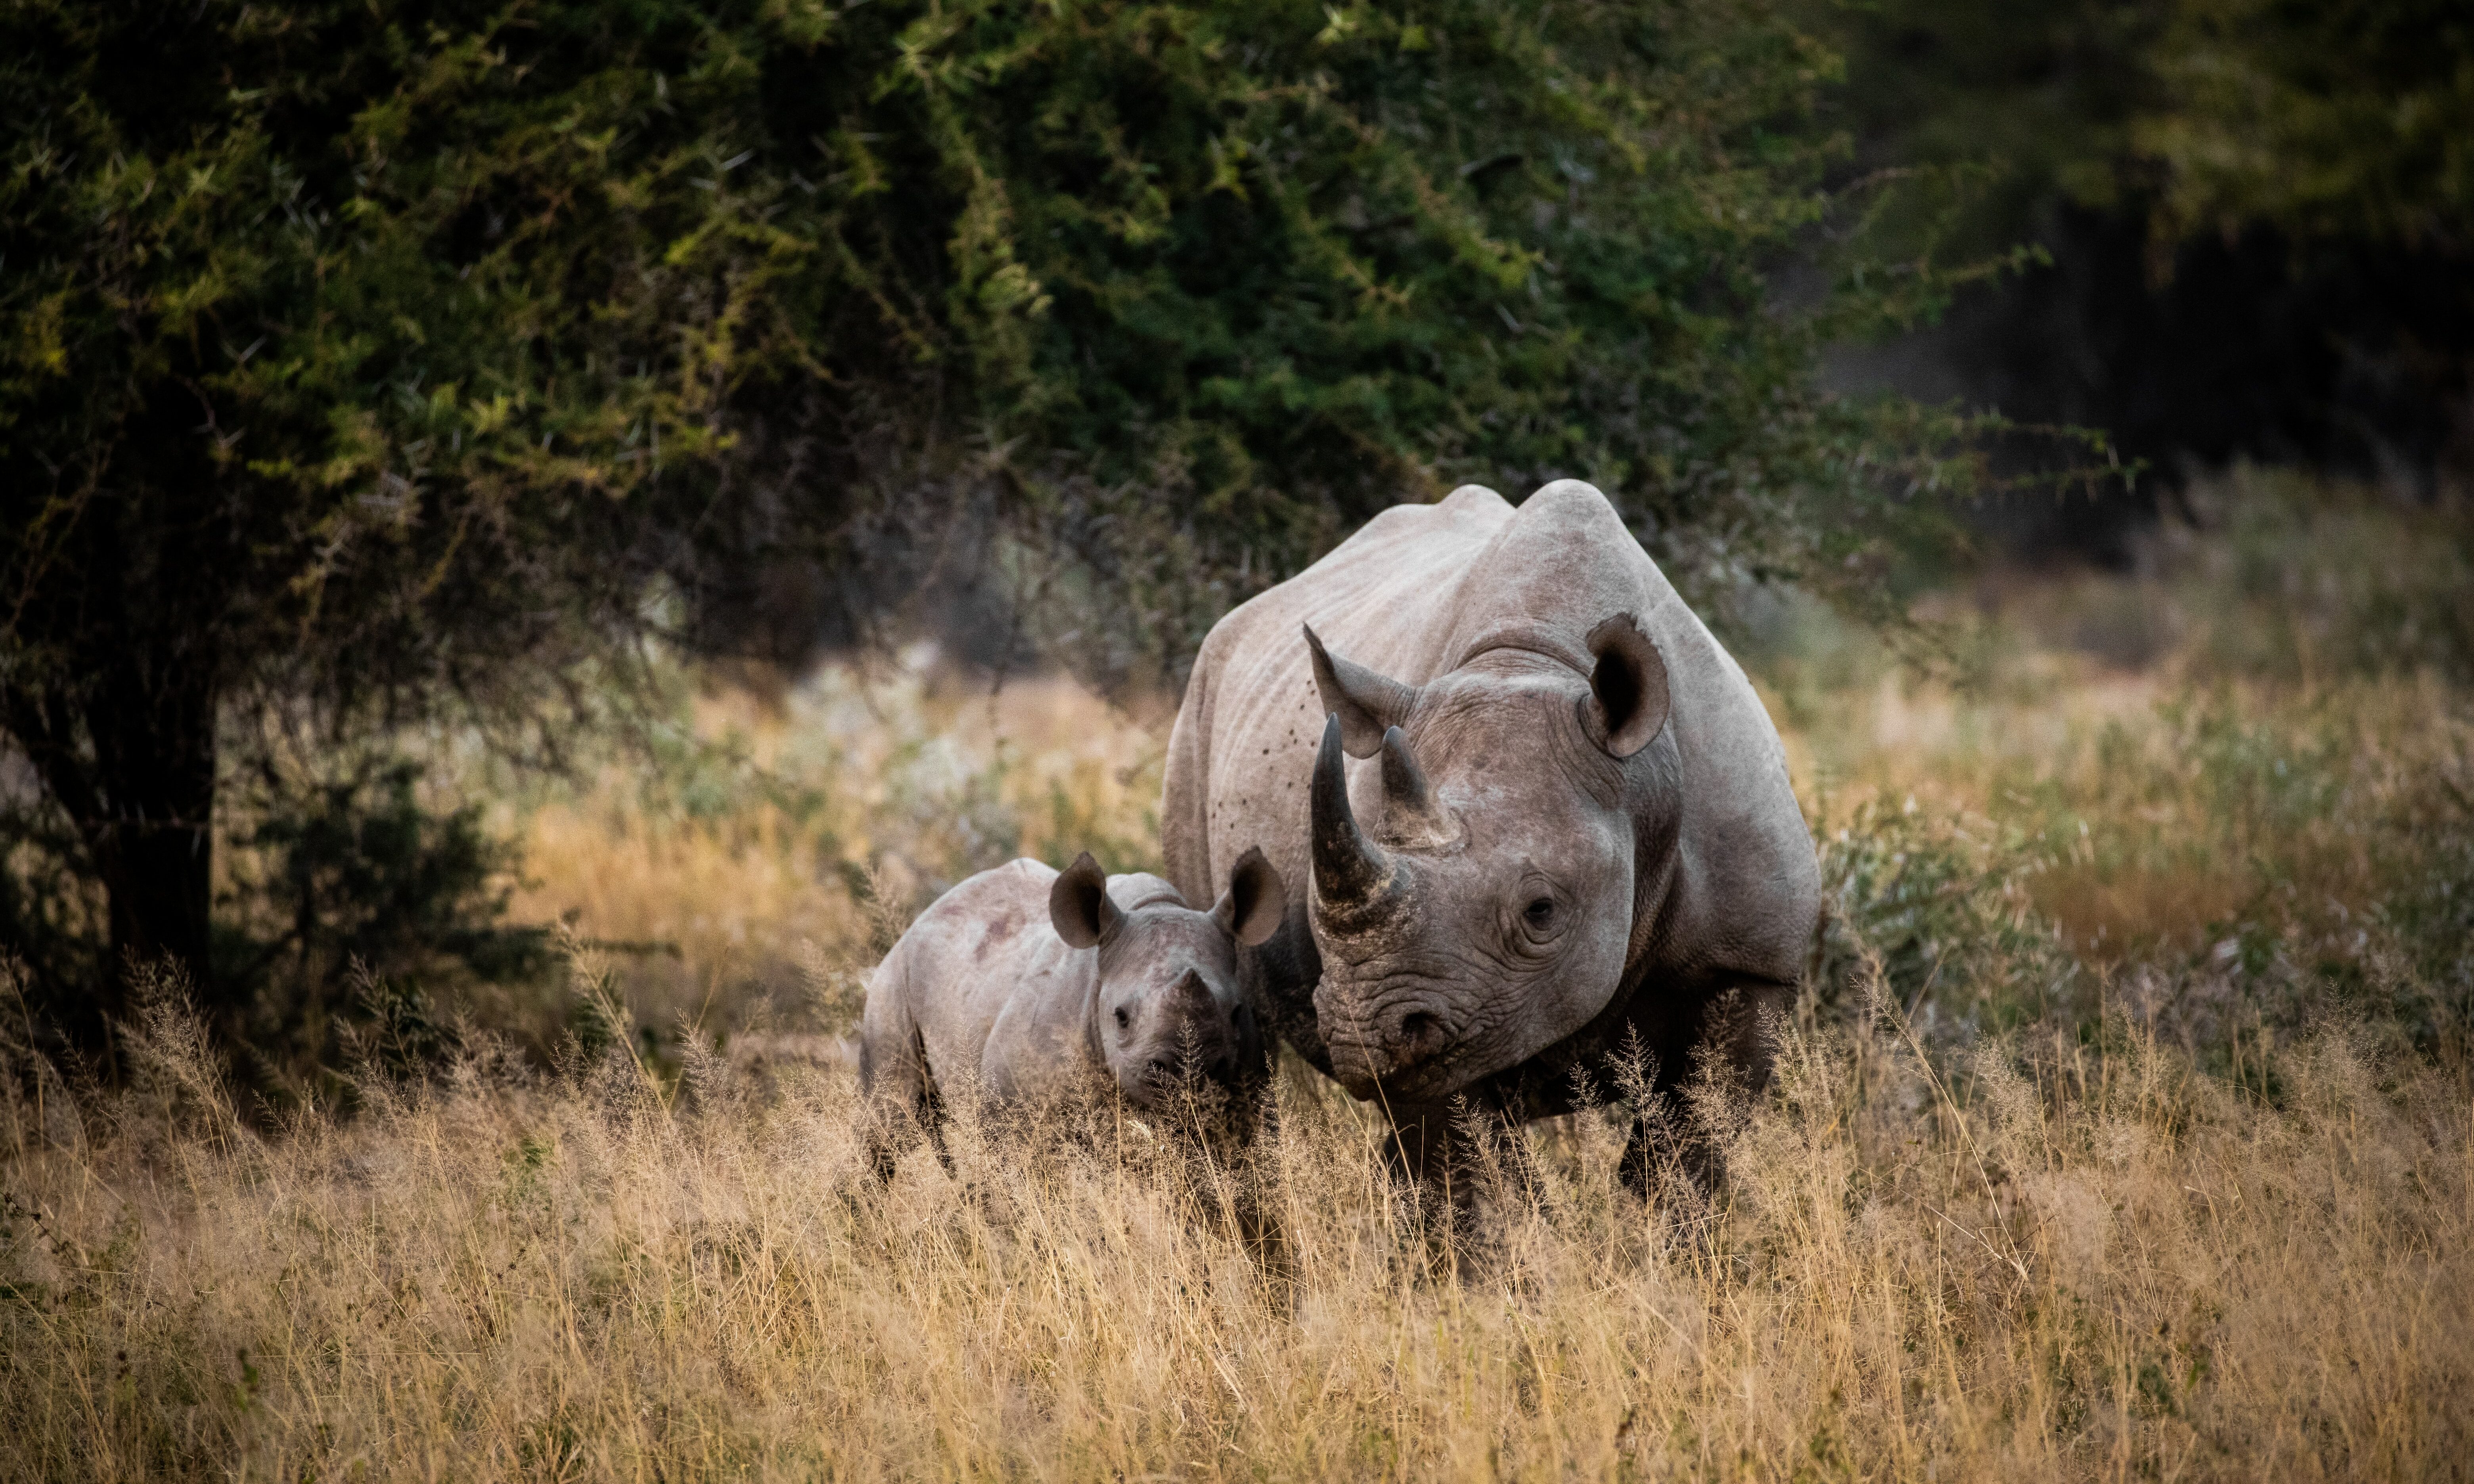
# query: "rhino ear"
x,y
1255,901
1078,907
1367,704
1628,697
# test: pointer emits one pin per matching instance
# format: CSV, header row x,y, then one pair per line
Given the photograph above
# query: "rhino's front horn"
x,y
1350,870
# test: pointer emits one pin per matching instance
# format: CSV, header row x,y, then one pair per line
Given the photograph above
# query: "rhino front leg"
x,y
1702,1091
1452,1155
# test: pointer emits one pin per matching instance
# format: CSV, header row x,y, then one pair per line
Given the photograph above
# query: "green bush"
x,y
2318,581
354,902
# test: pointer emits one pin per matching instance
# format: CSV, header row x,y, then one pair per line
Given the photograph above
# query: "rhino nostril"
x,y
1417,1030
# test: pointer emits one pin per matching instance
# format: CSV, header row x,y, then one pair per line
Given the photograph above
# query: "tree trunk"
x,y
141,792
154,760
115,673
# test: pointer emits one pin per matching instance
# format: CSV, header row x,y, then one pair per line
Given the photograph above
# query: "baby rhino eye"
x,y
1541,912
1123,1019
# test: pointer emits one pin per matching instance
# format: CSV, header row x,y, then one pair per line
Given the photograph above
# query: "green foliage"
x,y
2327,123
485,295
1228,280
395,1030
2225,796
1286,264
2348,122
364,364
300,307
1974,119
429,310
2318,580
351,896
1943,914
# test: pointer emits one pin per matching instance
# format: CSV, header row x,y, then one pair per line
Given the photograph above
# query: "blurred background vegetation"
x,y
2247,232
479,475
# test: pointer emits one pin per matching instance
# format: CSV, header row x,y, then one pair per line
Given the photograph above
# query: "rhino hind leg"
x,y
902,1115
894,1079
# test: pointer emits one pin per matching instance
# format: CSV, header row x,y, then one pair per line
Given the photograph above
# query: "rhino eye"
x,y
1541,913
1123,1019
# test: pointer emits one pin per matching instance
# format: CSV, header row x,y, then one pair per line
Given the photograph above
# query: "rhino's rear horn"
x,y
1410,816
1366,702
1349,869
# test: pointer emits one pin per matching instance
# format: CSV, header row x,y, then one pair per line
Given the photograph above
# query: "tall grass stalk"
x,y
2086,1262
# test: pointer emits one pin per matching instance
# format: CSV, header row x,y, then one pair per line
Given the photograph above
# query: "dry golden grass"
x,y
2158,804
2084,1262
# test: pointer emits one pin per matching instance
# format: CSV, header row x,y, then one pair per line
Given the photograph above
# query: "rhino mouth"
x,y
1385,1044
1169,1092
1177,1072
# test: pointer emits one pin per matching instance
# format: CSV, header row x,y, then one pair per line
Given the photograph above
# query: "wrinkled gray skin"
x,y
1050,987
1564,816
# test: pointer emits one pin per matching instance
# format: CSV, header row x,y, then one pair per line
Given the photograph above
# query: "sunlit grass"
x,y
769,828
2049,1258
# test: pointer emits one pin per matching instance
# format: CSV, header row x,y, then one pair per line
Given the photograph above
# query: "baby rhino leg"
x,y
893,1075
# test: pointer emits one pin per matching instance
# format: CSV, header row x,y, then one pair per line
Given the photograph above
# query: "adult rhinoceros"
x,y
1572,821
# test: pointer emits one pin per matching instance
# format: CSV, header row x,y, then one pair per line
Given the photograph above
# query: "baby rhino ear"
x,y
1079,906
1255,901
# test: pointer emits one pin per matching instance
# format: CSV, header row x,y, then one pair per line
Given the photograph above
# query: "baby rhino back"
x,y
980,951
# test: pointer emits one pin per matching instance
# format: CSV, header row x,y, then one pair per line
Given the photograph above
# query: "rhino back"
x,y
1245,731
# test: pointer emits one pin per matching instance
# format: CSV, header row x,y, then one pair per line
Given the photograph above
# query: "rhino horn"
x,y
1365,701
1349,869
1410,816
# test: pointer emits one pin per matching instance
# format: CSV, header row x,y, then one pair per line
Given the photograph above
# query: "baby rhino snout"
x,y
1185,1037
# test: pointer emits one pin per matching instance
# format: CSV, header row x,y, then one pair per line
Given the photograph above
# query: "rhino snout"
x,y
1386,1042
1189,1038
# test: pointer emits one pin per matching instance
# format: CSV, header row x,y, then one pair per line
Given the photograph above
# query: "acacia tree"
x,y
356,362
363,358
1237,278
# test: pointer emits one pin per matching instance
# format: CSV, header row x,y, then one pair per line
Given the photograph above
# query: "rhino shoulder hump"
x,y
1469,505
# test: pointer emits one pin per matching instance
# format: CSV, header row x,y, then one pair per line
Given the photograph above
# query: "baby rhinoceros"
x,y
1044,988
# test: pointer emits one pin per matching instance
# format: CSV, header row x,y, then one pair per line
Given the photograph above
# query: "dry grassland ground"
x,y
2123,1132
